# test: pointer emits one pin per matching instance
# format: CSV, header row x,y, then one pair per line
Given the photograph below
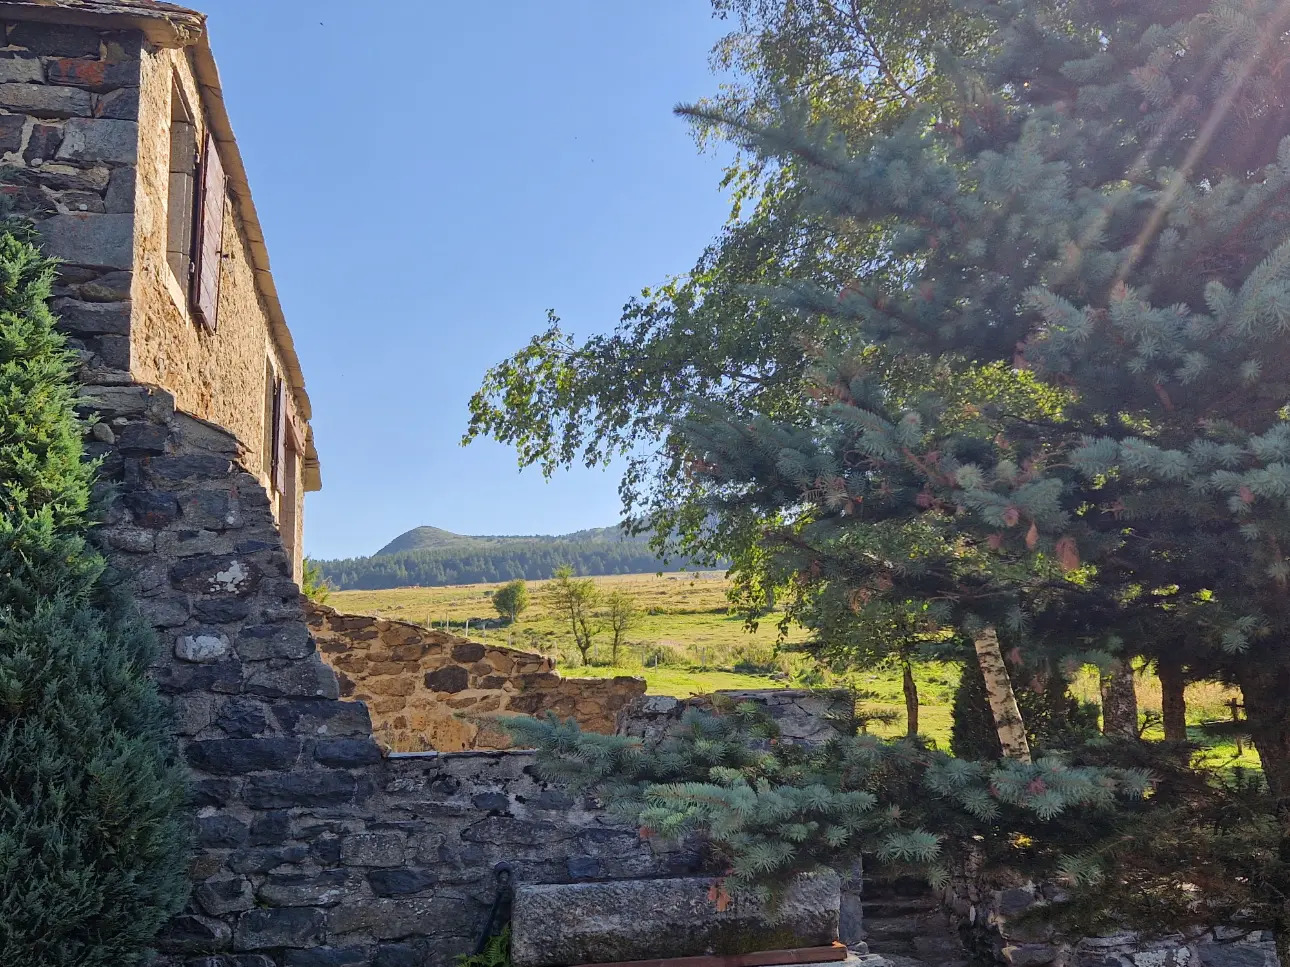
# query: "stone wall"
x,y
803,715
419,683
69,99
311,847
1007,926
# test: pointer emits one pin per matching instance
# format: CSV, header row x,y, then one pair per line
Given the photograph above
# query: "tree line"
x,y
507,562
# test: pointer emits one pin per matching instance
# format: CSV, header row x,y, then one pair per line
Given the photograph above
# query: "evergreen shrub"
x,y
92,844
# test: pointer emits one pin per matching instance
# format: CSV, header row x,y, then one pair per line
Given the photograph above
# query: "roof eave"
x,y
164,24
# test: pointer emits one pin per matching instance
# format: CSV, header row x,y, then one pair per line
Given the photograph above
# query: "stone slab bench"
x,y
564,925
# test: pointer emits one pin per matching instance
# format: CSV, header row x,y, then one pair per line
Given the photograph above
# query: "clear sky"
x,y
432,177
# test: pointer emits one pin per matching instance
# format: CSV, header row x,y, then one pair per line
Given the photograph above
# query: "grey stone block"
x,y
103,140
20,69
56,40
137,401
392,919
235,757
220,832
329,957
243,718
285,927
265,860
11,126
202,647
308,677
373,849
92,318
190,934
42,101
110,287
323,889
581,923
401,882
323,718
106,241
1030,955
290,639
226,895
319,788
121,104
398,955
347,753
1237,955
119,197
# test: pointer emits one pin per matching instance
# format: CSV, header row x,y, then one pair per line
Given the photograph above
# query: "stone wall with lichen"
x,y
431,690
312,845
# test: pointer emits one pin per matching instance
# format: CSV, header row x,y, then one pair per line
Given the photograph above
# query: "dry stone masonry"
x,y
804,716
430,690
1007,926
312,847
69,99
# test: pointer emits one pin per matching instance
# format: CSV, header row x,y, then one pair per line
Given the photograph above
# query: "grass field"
x,y
688,643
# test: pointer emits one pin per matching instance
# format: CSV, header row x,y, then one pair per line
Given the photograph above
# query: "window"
x,y
195,212
270,423
278,465
181,224
209,242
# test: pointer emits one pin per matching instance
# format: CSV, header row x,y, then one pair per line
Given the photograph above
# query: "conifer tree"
x,y
92,845
773,810
1100,212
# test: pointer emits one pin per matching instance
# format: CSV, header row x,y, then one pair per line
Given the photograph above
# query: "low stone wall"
x,y
420,683
1007,926
803,715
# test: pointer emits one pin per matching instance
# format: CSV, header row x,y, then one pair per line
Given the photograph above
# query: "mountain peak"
x,y
421,539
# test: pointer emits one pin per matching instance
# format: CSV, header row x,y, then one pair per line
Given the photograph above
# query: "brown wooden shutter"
x,y
280,437
209,237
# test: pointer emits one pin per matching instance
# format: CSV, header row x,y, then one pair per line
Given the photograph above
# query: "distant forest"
x,y
532,560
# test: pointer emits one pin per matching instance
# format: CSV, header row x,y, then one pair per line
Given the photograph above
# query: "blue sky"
x,y
432,177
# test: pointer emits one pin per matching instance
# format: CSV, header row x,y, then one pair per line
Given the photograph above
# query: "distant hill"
x,y
434,538
431,557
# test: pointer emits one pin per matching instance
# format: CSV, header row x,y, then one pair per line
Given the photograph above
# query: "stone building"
x,y
115,139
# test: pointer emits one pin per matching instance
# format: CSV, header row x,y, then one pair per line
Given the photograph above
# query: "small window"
x,y
182,223
278,466
270,420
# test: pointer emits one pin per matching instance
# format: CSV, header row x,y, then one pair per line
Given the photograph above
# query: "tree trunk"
x,y
1003,701
1119,701
911,700
1173,700
1266,691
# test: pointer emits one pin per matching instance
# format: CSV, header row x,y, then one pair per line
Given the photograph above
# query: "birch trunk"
x,y
1119,701
1003,701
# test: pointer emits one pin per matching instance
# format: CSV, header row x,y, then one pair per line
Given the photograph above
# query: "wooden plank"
x,y
208,257
763,958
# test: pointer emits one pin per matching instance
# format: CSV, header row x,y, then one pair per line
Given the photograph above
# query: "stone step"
x,y
877,931
898,906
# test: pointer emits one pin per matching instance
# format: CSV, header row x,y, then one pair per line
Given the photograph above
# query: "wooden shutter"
x,y
209,237
280,437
